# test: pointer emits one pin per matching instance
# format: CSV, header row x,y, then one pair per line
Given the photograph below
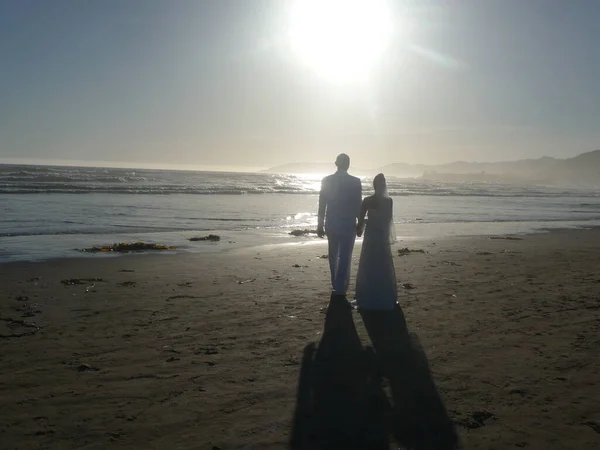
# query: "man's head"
x,y
342,162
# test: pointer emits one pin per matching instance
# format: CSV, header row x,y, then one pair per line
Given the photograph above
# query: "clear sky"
x,y
200,83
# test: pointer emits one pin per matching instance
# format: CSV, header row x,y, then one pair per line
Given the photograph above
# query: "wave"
x,y
51,178
40,188
155,190
109,230
89,180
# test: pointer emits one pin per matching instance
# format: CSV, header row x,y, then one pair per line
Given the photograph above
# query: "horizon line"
x,y
225,167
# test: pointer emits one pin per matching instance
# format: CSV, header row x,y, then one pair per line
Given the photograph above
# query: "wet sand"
x,y
496,345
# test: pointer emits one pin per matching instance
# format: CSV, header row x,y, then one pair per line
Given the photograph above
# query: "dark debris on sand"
x,y
75,281
507,238
83,367
407,251
594,426
305,232
124,247
210,237
18,326
476,420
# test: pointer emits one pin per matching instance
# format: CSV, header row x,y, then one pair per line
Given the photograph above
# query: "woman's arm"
x,y
393,238
322,209
361,217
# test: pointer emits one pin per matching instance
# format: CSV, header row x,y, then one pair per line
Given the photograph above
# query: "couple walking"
x,y
342,213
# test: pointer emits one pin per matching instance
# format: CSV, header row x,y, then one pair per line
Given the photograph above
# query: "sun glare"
x,y
340,40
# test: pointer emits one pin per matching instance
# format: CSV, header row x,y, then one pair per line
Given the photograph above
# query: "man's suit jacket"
x,y
339,202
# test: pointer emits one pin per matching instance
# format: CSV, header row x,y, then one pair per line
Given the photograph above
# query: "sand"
x,y
245,350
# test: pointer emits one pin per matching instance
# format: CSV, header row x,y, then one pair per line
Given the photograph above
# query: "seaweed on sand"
x,y
125,247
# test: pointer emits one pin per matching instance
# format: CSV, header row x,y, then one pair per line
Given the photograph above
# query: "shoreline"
x,y
233,241
190,351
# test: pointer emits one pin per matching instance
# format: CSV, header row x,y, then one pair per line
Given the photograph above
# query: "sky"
x,y
216,84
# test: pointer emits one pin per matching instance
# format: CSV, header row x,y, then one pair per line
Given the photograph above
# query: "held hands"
x,y
320,232
359,230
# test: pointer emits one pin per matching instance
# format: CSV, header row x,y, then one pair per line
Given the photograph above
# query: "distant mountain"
x,y
508,168
583,169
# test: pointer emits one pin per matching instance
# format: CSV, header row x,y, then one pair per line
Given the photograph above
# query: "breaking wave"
x,y
85,180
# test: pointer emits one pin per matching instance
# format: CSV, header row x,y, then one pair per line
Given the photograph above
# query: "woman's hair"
x,y
379,184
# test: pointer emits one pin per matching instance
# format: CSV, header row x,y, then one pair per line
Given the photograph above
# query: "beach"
x,y
223,350
169,180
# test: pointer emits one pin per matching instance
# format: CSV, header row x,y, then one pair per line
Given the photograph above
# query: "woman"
x,y
376,278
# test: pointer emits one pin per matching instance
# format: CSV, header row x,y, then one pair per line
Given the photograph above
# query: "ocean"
x,y
48,212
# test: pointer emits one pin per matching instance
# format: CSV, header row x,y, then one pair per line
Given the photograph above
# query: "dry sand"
x,y
245,350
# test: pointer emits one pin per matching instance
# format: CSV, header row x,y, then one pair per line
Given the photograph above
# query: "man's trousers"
x,y
341,246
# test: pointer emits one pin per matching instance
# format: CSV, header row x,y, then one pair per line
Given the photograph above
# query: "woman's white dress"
x,y
376,277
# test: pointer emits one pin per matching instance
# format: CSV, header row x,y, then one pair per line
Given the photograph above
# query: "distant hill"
x,y
508,168
583,169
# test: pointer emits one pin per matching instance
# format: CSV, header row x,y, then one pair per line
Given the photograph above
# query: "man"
x,y
339,207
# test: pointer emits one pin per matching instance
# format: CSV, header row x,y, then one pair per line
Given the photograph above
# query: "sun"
x,y
341,40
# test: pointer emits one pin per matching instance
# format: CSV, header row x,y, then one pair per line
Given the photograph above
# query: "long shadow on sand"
x,y
350,397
